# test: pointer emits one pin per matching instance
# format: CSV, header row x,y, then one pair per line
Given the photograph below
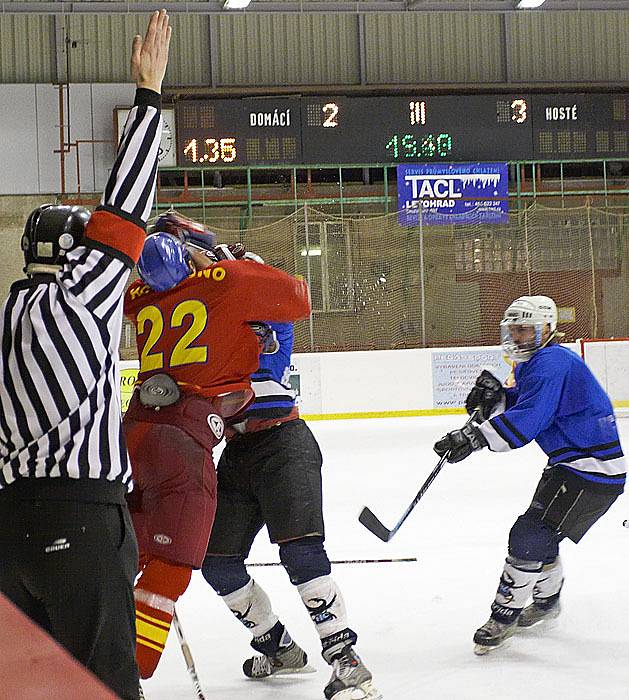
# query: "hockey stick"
x,y
373,524
185,650
344,561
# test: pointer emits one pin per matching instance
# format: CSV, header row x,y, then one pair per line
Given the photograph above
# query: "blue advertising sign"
x,y
455,193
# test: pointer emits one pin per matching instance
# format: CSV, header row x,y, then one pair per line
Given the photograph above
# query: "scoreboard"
x,y
580,126
397,129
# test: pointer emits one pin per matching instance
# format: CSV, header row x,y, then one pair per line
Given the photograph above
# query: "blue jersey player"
x,y
270,474
557,402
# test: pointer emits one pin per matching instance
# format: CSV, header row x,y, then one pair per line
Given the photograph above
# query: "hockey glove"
x,y
253,256
460,444
487,393
266,337
232,251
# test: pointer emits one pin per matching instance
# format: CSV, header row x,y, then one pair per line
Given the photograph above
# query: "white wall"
x,y
380,383
30,118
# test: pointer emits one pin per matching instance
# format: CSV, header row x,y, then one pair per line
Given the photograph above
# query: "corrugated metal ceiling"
x,y
303,6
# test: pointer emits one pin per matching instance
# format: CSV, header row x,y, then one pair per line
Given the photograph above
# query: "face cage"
x,y
522,351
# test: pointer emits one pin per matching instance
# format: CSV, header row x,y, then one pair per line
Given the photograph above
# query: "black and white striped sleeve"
x,y
131,186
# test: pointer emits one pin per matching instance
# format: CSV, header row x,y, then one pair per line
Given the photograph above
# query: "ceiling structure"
x,y
208,7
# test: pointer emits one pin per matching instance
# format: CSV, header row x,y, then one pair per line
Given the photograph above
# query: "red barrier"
x,y
34,667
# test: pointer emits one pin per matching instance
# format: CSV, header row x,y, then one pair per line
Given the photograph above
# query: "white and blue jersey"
x,y
558,402
274,397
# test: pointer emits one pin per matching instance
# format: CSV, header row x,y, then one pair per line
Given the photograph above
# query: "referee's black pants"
x,y
70,566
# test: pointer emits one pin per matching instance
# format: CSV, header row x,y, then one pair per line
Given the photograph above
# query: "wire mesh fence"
x,y
376,284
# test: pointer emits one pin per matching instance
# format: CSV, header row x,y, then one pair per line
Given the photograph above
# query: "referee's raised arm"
x,y
68,552
131,186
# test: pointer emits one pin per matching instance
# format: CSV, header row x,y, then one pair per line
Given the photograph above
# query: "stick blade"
x,y
371,522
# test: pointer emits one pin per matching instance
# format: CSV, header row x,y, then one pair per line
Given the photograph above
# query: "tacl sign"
x,y
455,193
437,192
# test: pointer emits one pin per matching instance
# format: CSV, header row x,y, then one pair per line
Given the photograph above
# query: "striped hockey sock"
x,y
156,593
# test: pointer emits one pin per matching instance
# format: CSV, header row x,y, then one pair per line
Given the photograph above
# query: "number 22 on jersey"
x,y
151,320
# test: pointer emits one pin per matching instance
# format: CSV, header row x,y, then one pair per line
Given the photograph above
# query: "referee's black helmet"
x,y
50,231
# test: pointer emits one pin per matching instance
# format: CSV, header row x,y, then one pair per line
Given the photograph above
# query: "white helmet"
x,y
529,312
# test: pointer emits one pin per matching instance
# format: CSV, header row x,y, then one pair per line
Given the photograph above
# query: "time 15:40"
x,y
424,146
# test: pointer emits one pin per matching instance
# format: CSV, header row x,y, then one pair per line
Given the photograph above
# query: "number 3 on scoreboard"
x,y
184,353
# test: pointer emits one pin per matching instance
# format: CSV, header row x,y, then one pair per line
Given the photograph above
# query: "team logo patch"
x,y
319,610
160,538
216,425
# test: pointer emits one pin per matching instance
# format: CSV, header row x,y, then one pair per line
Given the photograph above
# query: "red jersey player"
x,y
197,352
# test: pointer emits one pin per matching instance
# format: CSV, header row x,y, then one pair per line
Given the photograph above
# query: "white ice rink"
x,y
415,621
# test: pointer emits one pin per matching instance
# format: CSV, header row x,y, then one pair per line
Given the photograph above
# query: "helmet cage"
x,y
520,350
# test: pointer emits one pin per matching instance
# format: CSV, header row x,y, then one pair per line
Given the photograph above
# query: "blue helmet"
x,y
164,262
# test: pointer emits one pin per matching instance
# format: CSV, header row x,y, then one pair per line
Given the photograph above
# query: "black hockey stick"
x,y
185,650
373,524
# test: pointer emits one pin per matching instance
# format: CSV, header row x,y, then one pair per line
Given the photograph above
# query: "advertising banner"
x,y
455,193
454,373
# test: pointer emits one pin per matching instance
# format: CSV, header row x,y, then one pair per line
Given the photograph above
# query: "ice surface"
x,y
415,621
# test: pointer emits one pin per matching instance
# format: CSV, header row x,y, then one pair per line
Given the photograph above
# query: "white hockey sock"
x,y
325,605
515,588
549,582
251,605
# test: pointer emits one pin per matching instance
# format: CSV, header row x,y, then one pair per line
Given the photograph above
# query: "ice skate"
x,y
289,659
141,695
538,612
351,679
492,635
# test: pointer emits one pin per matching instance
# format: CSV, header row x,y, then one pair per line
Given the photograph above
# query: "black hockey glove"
x,y
460,444
487,393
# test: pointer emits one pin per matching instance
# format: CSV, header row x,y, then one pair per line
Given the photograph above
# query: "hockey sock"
x,y
548,585
326,608
157,590
251,605
515,588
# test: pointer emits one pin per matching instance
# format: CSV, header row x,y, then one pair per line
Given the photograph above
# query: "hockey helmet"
x,y
523,325
164,262
50,232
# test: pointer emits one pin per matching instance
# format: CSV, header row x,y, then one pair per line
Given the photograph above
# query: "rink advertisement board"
x,y
454,373
129,374
455,193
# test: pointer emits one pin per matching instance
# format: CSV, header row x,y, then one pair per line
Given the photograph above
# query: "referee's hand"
x,y
149,56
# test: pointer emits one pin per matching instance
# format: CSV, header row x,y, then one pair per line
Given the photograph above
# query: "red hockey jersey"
x,y
198,333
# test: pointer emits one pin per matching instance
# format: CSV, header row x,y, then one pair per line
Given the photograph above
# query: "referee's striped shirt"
x,y
60,413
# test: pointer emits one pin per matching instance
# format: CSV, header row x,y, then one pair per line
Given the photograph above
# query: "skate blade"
x,y
482,650
284,672
292,671
546,622
364,691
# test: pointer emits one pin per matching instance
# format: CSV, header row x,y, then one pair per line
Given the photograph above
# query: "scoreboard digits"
x,y
395,129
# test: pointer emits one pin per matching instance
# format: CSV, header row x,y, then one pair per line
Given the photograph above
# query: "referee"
x,y
68,553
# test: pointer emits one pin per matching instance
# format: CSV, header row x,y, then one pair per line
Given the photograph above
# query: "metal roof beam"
x,y
61,7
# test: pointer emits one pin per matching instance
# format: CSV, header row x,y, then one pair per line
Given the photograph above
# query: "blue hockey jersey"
x,y
274,397
558,402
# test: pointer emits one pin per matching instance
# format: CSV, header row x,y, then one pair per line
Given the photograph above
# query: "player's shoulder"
x,y
553,359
